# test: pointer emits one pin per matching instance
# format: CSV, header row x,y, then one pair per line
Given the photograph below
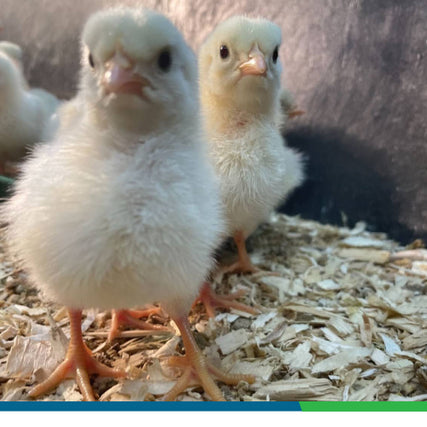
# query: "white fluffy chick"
x,y
26,115
123,209
239,73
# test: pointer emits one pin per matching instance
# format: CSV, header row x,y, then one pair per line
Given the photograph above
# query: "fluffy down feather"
x,y
122,209
240,106
27,116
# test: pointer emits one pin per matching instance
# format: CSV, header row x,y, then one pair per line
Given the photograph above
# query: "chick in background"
x,y
13,50
239,74
27,115
122,208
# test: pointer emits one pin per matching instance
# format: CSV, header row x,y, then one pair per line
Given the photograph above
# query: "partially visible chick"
x,y
13,50
122,208
239,73
26,115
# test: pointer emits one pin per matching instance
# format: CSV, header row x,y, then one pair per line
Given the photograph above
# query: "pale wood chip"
x,y
415,340
232,341
341,360
363,242
391,347
345,320
261,369
300,358
304,389
379,357
370,255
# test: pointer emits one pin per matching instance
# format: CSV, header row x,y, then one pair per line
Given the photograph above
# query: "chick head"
x,y
239,66
136,68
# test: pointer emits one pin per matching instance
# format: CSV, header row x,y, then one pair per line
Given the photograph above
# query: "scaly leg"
x,y
197,370
78,363
243,264
211,300
131,318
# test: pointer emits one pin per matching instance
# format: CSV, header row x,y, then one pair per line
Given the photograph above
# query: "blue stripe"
x,y
149,406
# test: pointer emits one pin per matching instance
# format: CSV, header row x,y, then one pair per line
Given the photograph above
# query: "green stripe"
x,y
363,406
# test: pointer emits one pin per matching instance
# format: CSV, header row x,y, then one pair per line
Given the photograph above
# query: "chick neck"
x,y
222,116
139,126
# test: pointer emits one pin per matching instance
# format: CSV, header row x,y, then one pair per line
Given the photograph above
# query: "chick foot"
x,y
243,265
78,363
197,370
132,318
211,300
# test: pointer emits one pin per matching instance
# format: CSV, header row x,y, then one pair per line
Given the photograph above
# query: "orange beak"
x,y
120,78
256,65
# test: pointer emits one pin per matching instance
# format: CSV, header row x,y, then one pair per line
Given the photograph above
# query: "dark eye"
x,y
164,60
223,51
91,62
276,54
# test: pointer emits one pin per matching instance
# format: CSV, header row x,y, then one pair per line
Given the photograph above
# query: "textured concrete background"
x,y
357,67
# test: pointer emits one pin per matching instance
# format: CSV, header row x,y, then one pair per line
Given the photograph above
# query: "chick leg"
x,y
211,300
131,318
197,370
243,264
78,363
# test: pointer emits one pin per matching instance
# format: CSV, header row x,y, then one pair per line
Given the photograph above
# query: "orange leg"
x,y
243,264
78,363
211,300
197,370
131,318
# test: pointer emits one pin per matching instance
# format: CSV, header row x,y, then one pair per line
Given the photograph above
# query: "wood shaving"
x,y
345,319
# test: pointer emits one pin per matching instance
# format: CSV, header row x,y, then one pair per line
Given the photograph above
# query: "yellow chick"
x,y
239,73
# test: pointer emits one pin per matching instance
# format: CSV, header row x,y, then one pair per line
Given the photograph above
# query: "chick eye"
x,y
276,54
223,51
91,62
164,60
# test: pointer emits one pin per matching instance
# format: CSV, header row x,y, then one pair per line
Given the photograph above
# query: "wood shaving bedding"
x,y
346,319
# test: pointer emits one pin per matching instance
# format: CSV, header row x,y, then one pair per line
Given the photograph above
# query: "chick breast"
x,y
255,176
117,229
